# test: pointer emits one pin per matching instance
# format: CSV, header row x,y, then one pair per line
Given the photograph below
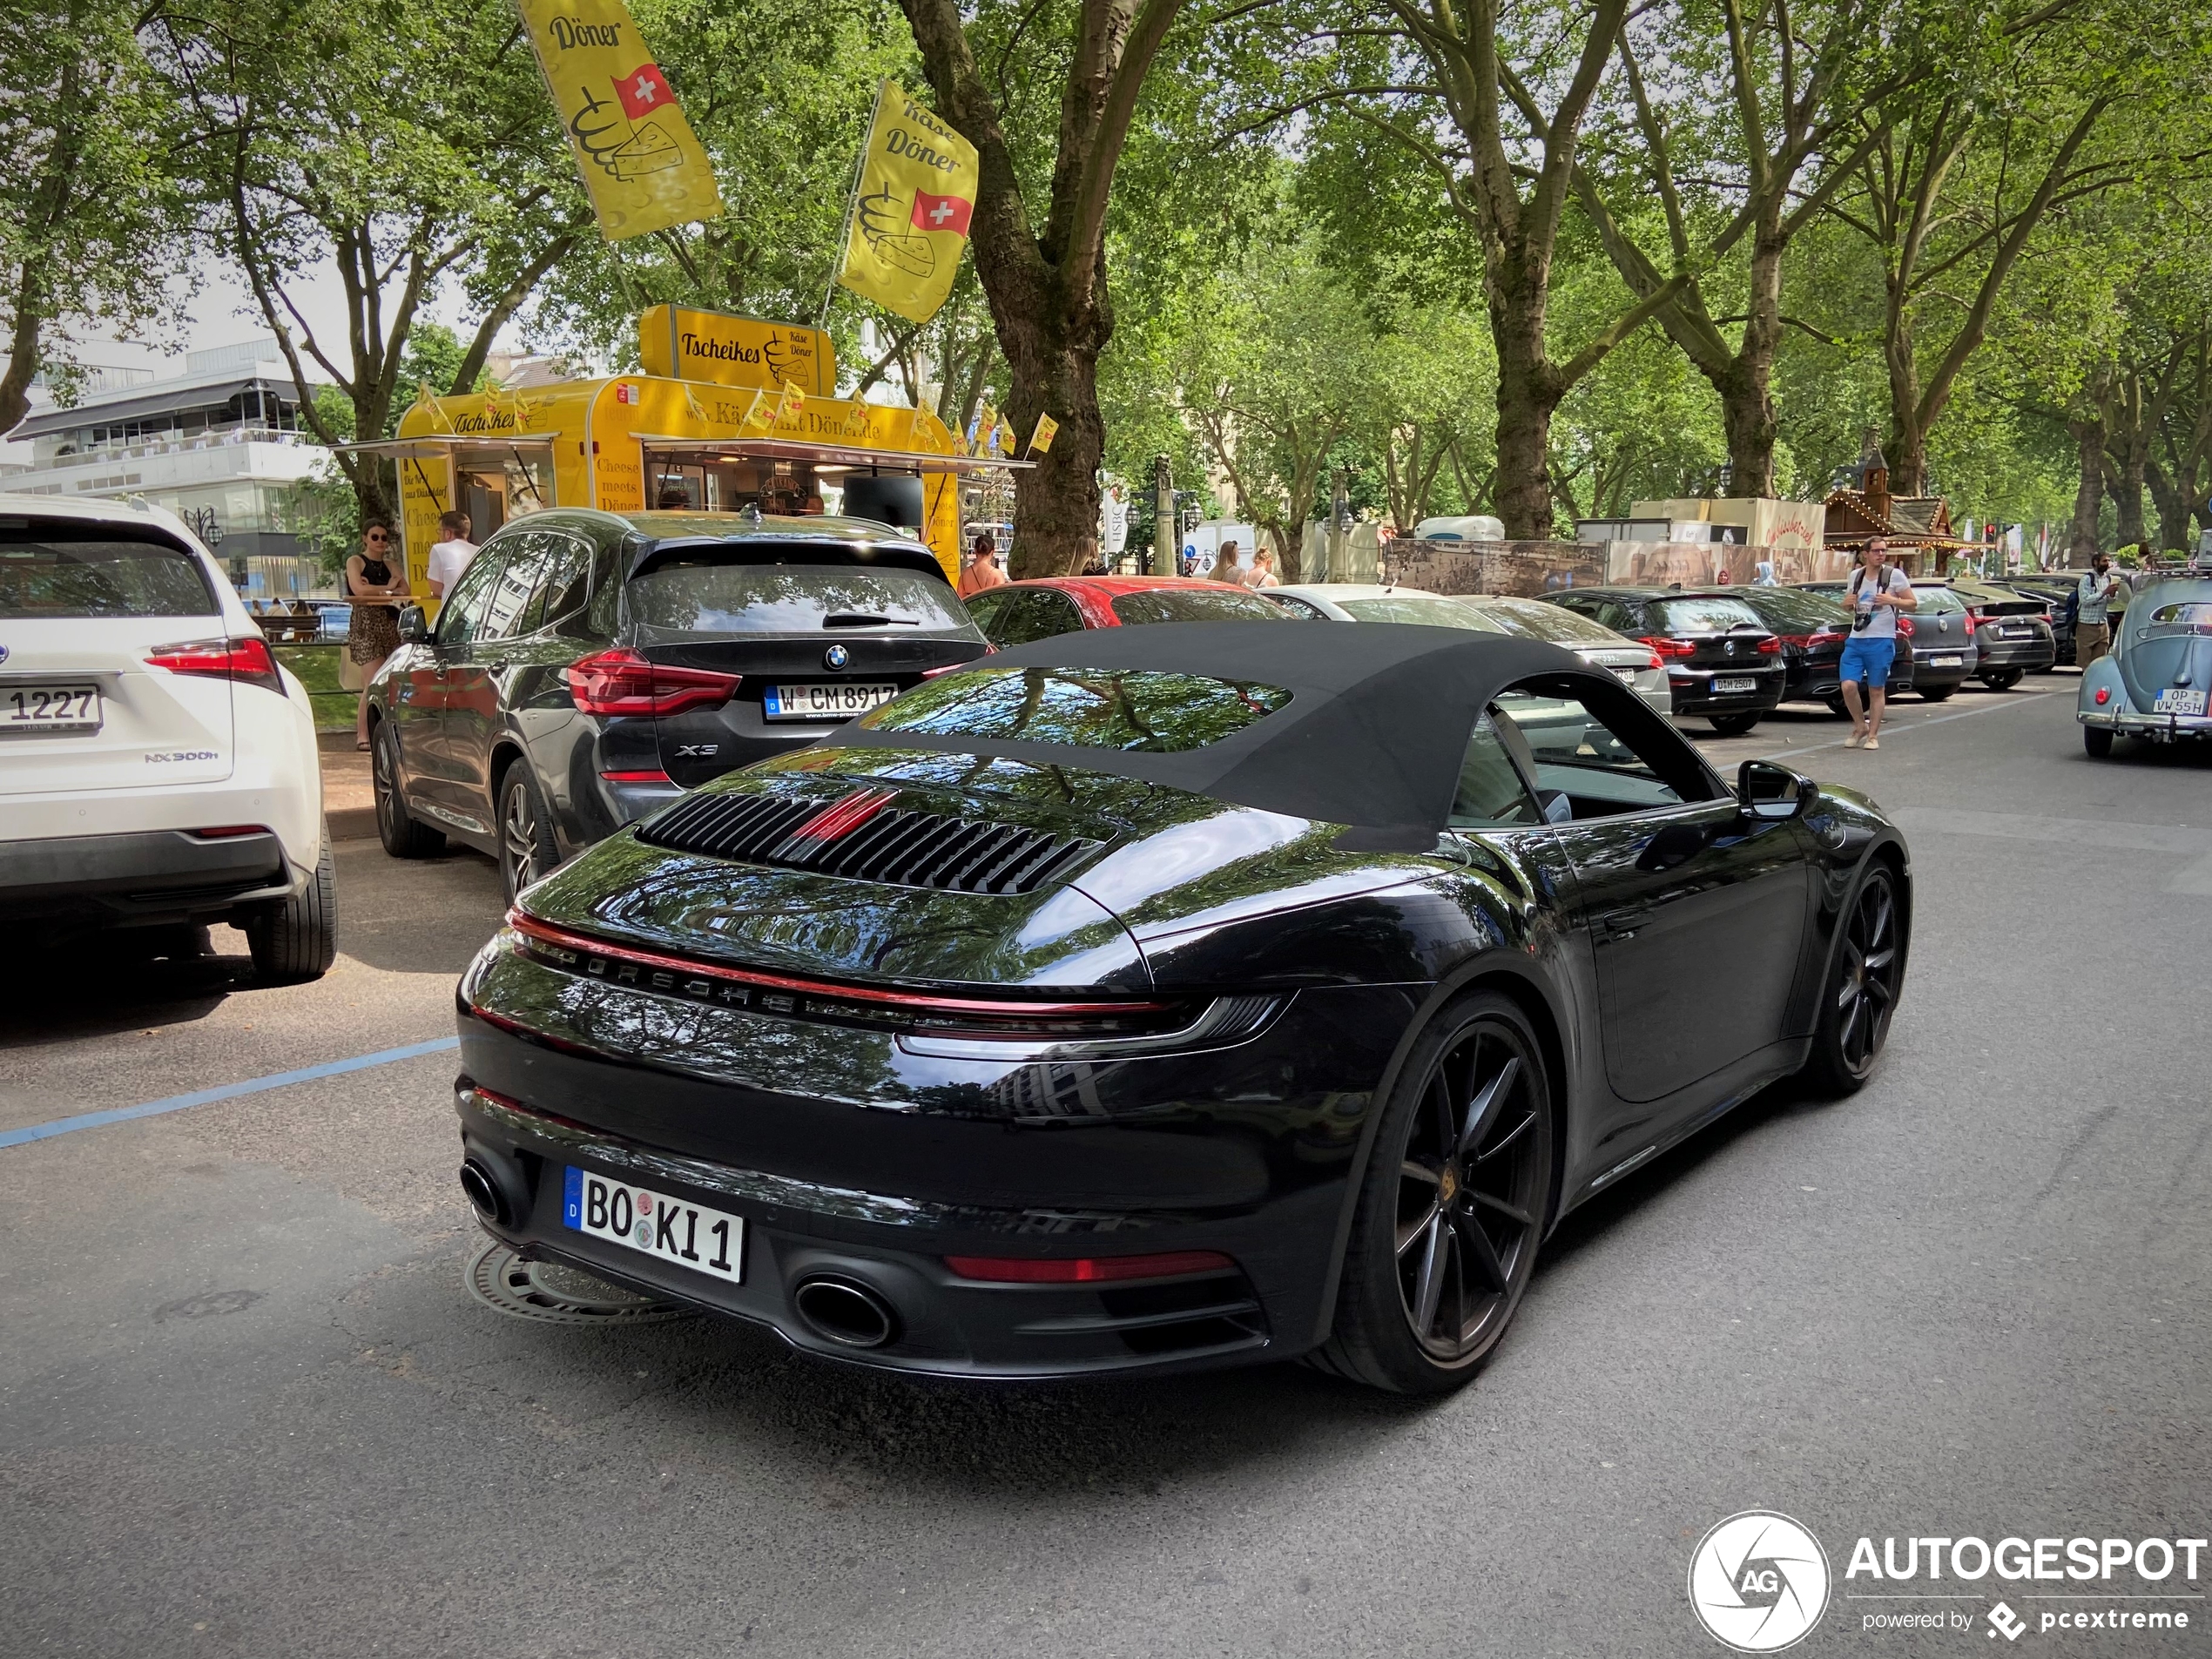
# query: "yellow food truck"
x,y
729,413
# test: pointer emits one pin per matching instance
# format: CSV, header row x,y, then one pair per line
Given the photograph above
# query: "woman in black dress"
x,y
376,583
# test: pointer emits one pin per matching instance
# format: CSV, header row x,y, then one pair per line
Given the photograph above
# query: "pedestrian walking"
x,y
450,554
1877,591
2093,597
982,572
373,587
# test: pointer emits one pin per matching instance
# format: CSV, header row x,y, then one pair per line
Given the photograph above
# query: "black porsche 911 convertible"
x,y
1151,998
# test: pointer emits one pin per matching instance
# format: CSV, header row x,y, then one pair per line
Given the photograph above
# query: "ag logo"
x,y
1758,1582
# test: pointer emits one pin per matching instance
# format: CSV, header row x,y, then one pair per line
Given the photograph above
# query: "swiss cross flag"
x,y
942,212
642,90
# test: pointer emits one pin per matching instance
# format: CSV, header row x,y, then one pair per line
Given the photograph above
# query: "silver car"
x,y
1637,665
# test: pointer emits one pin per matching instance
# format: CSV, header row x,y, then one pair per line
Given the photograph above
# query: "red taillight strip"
x,y
530,928
1088,1269
841,817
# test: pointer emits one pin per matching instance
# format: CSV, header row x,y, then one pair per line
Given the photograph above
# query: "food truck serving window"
x,y
700,595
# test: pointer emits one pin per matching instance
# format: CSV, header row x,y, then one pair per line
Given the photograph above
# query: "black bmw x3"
x,y
589,667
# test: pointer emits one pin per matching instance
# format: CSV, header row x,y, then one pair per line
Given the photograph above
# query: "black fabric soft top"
x,y
1373,737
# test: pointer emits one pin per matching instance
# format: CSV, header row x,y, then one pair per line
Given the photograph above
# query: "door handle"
x,y
1622,924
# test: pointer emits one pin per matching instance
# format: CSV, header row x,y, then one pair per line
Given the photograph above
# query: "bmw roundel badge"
x,y
4,653
837,656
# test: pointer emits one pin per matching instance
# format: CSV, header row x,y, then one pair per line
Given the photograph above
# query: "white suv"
x,y
158,765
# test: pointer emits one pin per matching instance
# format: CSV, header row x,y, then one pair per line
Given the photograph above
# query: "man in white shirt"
x,y
450,554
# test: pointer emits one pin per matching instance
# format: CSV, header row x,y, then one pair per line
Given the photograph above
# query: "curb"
x,y
352,823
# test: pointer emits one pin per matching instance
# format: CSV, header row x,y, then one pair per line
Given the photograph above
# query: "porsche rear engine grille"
x,y
867,838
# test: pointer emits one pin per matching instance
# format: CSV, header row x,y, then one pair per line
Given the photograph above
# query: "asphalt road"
x,y
246,1405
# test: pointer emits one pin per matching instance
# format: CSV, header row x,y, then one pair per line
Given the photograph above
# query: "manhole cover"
x,y
557,1295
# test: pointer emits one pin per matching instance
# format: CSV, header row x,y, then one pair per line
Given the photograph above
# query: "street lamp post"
x,y
1165,541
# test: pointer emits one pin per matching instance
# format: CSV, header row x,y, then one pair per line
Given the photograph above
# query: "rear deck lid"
x,y
89,613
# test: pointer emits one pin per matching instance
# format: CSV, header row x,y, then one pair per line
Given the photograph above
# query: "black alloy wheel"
x,y
1862,991
1452,1207
402,836
527,849
1732,725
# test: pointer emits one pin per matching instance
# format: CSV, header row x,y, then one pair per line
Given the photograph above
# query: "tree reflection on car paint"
x,y
1136,710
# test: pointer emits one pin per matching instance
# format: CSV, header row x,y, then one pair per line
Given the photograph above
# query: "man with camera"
x,y
1877,591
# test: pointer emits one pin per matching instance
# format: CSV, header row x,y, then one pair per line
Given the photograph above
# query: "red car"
x,y
1021,611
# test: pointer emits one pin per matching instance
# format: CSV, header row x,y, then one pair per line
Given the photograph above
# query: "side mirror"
x,y
1766,790
415,628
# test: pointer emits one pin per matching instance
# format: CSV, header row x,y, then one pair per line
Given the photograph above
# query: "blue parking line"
x,y
228,1091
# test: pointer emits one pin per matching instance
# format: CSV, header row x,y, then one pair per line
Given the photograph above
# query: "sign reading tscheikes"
x,y
642,164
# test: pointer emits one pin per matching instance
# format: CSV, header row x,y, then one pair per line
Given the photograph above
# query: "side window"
x,y
1611,613
520,578
1491,794
1595,757
988,607
568,571
1297,609
1035,613
462,612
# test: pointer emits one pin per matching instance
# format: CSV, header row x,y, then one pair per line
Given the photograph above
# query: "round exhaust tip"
x,y
850,1315
482,1192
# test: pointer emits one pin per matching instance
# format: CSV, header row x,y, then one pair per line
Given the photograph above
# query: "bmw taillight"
x,y
622,682
1770,646
248,660
1667,646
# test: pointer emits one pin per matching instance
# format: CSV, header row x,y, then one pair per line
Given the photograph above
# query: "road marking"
x,y
2073,832
228,1091
1889,731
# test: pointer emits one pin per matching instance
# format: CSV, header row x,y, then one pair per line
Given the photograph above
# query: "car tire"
x,y
1835,705
1453,1206
297,940
402,836
1860,993
2097,740
1936,693
527,847
1732,725
2003,680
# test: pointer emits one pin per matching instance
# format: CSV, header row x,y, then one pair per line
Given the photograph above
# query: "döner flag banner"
x,y
642,164
909,219
1040,439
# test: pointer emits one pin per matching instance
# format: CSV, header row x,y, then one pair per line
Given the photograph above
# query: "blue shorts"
x,y
1867,660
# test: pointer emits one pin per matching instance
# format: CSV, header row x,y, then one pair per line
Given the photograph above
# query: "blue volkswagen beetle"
x,y
2154,683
